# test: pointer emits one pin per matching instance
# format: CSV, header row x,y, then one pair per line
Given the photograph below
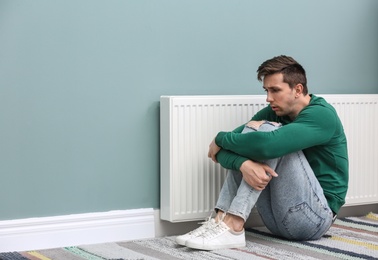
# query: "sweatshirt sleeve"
x,y
230,160
233,161
314,126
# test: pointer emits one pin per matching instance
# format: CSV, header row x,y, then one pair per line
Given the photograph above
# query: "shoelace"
x,y
215,231
205,226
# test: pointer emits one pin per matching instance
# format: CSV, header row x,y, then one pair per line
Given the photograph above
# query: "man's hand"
x,y
255,124
257,175
213,150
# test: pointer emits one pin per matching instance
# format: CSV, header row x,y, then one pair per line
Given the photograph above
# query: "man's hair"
x,y
293,73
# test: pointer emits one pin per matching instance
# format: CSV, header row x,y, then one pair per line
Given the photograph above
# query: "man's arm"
x,y
231,160
312,127
256,174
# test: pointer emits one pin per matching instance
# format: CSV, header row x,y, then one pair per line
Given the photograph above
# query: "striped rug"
x,y
348,238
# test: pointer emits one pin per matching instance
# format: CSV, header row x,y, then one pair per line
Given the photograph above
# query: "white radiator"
x,y
190,182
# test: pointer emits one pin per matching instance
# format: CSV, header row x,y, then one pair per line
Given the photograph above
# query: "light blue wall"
x,y
80,83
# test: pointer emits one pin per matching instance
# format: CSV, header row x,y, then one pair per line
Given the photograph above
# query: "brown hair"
x,y
293,73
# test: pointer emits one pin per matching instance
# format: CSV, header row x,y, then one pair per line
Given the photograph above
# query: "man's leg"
x,y
236,196
293,204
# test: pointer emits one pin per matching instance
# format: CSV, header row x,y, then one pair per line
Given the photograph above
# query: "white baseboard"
x,y
78,229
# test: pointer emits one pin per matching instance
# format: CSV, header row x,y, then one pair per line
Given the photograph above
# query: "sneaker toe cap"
x,y
181,240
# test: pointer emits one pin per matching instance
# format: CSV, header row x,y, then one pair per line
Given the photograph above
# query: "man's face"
x,y
280,96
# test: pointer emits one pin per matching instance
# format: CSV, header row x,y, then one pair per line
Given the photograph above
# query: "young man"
x,y
294,172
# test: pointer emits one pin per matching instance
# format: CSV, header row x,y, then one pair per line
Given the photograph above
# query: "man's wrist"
x,y
240,162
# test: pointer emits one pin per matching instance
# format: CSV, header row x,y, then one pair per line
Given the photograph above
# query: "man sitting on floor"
x,y
294,172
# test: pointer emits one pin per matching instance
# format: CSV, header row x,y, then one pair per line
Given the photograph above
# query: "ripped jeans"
x,y
292,205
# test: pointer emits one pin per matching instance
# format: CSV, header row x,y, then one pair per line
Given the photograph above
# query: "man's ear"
x,y
298,90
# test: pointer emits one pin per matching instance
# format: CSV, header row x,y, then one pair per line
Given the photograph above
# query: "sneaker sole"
x,y
213,247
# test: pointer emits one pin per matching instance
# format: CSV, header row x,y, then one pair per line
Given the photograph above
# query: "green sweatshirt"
x,y
317,131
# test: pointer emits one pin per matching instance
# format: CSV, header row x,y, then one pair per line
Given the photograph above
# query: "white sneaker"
x,y
218,237
181,240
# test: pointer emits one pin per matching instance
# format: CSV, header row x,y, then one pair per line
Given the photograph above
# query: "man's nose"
x,y
269,98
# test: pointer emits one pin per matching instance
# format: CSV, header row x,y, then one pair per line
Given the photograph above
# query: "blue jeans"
x,y
292,205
